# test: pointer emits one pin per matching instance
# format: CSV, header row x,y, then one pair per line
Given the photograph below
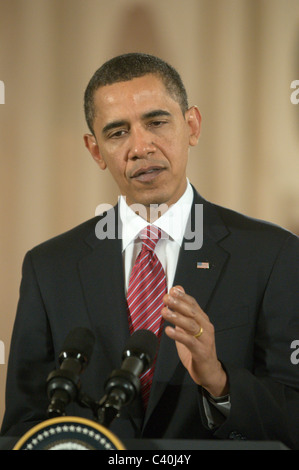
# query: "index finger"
x,y
179,293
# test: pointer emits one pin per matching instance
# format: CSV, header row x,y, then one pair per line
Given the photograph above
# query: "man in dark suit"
x,y
231,312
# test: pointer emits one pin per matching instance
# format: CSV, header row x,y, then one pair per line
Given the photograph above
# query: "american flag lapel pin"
x,y
202,265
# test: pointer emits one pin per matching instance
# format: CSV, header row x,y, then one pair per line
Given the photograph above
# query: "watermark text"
x,y
2,92
295,95
2,353
295,354
106,226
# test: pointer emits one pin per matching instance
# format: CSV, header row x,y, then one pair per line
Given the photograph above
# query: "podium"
x,y
75,433
174,445
194,445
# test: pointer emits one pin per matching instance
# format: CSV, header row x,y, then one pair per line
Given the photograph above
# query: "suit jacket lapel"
x,y
197,282
103,284
102,279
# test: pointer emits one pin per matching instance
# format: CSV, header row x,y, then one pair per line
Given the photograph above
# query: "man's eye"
x,y
157,123
117,134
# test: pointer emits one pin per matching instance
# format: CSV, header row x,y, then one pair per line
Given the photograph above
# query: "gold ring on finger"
x,y
199,333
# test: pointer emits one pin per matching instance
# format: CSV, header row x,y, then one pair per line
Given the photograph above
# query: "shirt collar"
x,y
172,222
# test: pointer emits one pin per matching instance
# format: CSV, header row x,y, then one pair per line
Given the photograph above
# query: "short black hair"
x,y
128,66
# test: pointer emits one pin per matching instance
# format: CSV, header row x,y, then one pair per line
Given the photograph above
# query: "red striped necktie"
x,y
147,286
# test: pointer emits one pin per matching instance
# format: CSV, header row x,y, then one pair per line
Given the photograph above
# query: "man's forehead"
x,y
139,96
137,90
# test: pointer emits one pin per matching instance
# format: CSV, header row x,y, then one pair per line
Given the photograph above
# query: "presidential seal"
x,y
69,433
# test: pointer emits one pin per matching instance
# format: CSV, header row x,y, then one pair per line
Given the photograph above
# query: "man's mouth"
x,y
147,174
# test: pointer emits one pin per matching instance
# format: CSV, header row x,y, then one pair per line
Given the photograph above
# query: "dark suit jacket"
x,y
250,293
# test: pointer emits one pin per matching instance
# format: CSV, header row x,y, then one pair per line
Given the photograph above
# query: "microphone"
x,y
63,385
123,385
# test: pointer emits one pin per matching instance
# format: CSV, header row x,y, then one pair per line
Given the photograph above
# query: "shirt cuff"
x,y
216,409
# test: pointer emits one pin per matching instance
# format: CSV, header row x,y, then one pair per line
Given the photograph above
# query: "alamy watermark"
x,y
106,226
295,95
2,353
2,92
295,354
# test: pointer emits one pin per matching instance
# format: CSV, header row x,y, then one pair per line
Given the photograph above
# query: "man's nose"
x,y
141,144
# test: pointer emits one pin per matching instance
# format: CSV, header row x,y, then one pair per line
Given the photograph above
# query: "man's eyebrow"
x,y
155,113
113,125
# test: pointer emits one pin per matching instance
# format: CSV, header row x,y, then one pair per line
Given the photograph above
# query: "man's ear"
x,y
92,145
193,118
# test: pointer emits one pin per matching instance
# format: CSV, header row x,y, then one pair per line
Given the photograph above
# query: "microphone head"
x,y
143,344
78,343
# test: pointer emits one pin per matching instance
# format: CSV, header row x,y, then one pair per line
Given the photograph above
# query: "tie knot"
x,y
150,236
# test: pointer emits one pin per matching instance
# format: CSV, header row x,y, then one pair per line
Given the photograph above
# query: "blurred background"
x,y
237,58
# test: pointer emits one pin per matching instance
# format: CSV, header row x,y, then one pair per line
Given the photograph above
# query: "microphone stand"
x,y
121,388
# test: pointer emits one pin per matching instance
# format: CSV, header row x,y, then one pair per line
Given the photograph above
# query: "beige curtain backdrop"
x,y
237,58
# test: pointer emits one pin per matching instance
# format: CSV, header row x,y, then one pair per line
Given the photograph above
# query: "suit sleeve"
x,y
30,359
265,402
